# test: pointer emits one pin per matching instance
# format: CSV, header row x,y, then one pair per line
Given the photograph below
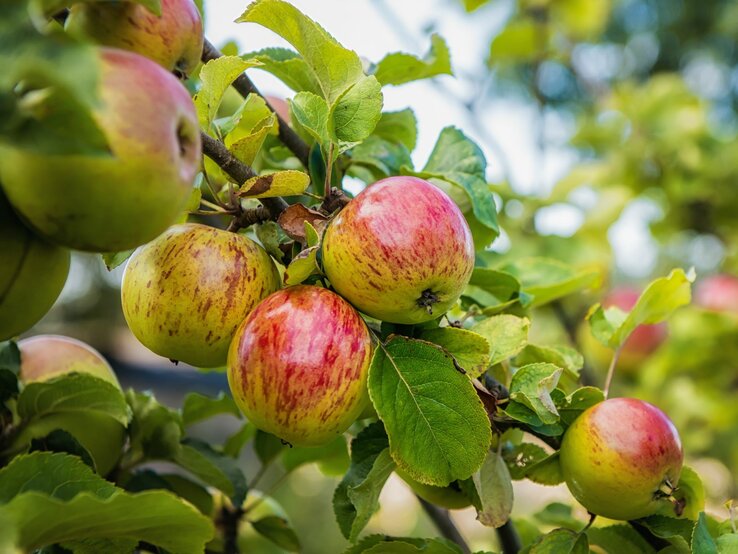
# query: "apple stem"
x,y
592,518
611,371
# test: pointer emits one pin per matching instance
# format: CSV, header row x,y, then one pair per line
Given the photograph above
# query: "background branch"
x,y
509,538
442,520
245,86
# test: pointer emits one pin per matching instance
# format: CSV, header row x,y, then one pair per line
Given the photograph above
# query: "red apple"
x,y
298,365
401,251
620,456
173,40
718,293
281,107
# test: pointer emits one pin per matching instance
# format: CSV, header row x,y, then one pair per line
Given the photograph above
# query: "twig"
x,y
230,520
249,217
509,538
237,170
245,86
443,523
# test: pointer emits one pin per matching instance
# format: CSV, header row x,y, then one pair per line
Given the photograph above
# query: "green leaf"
x,y
289,182
216,76
532,386
234,444
356,497
382,157
63,442
438,429
546,472
155,430
335,68
333,458
287,66
691,492
267,447
155,517
658,301
499,284
214,468
561,541
493,485
309,113
246,147
573,405
519,41
470,350
382,544
622,539
727,544
399,68
278,531
399,127
74,392
197,407
702,541
546,279
564,357
458,160
355,113
530,461
114,259
557,514
302,266
669,528
506,335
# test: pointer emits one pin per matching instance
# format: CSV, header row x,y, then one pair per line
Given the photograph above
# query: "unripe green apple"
x,y
620,456
450,497
401,251
32,274
185,293
173,40
45,357
298,365
114,202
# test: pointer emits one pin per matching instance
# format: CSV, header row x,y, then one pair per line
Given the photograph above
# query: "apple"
x,y
173,40
185,293
108,203
621,457
46,357
281,107
642,342
298,365
401,251
32,274
450,497
718,293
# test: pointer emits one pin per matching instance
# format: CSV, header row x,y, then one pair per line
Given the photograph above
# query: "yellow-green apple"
x,y
450,497
185,293
46,357
118,201
718,293
32,274
298,365
642,342
173,40
401,251
621,457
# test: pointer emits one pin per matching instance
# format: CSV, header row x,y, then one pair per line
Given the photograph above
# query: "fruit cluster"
x,y
298,358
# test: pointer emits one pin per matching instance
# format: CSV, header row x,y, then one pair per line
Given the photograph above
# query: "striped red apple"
x,y
298,365
401,251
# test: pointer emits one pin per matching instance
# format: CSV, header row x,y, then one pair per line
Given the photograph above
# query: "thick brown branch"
x,y
442,520
245,87
238,171
249,217
509,538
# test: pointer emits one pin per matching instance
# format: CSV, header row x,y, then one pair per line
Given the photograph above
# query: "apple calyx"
x,y
666,492
427,299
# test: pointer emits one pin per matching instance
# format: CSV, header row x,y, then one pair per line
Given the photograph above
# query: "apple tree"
x,y
370,333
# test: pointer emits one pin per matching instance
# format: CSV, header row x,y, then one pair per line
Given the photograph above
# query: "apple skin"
x,y
185,293
45,357
117,202
32,274
446,497
642,342
401,251
173,40
298,365
617,454
718,293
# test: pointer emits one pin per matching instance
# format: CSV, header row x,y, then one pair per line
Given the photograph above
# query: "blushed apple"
x,y
401,251
298,365
32,274
107,203
185,293
718,293
621,457
173,40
